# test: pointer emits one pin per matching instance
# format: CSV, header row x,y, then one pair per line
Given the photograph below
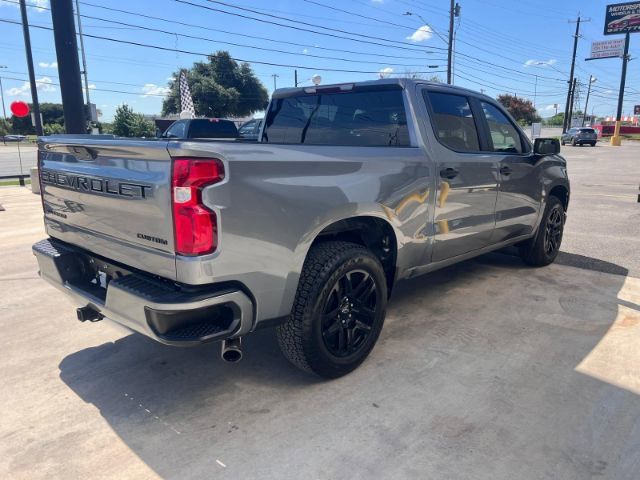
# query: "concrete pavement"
x,y
485,370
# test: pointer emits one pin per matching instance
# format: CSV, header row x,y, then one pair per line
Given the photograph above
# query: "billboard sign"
x,y
622,18
607,49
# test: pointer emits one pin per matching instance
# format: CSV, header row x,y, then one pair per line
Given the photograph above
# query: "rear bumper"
x,y
170,313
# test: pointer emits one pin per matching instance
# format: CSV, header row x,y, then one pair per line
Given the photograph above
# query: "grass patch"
x,y
8,183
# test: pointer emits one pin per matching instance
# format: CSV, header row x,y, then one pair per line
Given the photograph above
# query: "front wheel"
x,y
544,247
573,142
338,311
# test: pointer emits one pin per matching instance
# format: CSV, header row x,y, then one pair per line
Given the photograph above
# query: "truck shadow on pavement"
x,y
480,356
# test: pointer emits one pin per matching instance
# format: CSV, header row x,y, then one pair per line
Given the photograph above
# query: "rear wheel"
x,y
593,144
562,142
338,311
573,142
543,248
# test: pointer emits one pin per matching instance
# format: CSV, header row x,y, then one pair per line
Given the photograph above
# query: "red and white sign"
x,y
19,108
607,48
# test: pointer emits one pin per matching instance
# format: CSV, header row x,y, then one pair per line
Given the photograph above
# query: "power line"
x,y
400,45
207,55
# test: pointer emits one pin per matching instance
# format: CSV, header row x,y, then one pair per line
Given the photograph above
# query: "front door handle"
x,y
449,173
505,170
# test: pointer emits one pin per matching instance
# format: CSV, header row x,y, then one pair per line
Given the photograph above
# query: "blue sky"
x,y
501,46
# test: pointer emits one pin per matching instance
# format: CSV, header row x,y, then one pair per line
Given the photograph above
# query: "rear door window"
x,y
504,135
374,118
453,121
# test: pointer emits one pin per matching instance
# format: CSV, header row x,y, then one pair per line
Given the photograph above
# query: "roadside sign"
x,y
607,49
19,108
622,18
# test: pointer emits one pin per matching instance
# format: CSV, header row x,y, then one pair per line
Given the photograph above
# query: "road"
x,y
484,370
16,158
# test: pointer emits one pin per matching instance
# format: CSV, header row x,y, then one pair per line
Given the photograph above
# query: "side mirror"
x,y
546,146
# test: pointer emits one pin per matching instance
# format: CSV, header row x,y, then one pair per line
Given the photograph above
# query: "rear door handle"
x,y
505,170
449,173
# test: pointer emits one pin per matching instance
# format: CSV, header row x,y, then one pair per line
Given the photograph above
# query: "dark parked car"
x,y
202,128
251,129
580,136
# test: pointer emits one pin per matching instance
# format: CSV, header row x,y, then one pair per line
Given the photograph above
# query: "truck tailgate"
x,y
111,198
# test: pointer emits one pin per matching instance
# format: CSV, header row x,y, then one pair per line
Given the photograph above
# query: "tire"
x,y
562,142
573,142
543,248
338,311
593,144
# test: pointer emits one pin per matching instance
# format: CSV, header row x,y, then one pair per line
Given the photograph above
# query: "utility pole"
x,y
616,140
64,34
295,77
586,102
4,112
535,92
275,75
32,76
573,64
84,63
450,49
571,96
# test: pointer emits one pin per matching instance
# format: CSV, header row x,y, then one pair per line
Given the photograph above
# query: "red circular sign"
x,y
19,108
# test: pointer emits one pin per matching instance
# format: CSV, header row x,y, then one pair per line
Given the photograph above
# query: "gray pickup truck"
x,y
349,189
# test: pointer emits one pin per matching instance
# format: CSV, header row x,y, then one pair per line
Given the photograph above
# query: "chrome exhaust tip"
x,y
231,351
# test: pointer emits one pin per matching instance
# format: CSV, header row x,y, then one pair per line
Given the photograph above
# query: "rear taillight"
x,y
195,226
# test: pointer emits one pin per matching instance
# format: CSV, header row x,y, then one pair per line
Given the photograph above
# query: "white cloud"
x,y
35,5
385,72
550,107
153,89
48,64
421,34
43,84
305,51
377,1
542,63
92,86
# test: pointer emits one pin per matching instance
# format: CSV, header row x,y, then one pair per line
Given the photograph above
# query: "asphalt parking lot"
x,y
484,370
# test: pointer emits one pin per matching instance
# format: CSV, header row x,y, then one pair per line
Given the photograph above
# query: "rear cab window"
x,y
366,116
212,128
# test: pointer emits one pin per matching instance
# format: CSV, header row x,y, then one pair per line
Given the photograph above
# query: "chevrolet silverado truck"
x,y
349,189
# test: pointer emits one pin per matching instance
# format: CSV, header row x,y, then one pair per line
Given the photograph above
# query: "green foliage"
x,y
520,108
53,129
5,127
127,123
52,113
220,88
556,120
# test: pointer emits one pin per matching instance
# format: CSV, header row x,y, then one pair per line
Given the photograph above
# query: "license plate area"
x,y
95,275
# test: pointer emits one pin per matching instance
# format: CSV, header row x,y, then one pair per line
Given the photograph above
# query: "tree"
x,y
520,108
127,123
220,87
556,120
53,129
5,127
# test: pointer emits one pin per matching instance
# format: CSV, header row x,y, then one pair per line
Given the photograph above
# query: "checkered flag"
x,y
186,102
